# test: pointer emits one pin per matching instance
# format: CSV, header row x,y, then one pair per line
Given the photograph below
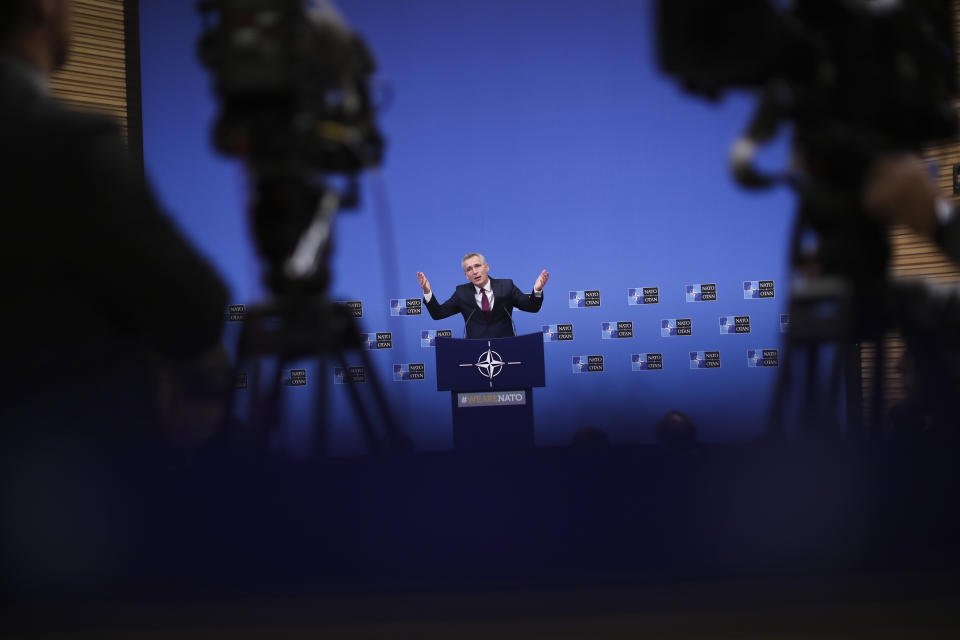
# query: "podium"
x,y
491,389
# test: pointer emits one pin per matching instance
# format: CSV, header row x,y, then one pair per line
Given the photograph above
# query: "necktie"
x,y
484,303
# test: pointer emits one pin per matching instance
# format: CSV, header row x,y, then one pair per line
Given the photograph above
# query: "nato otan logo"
x,y
701,292
784,322
557,332
646,361
584,298
704,359
587,364
756,289
409,371
643,295
428,337
762,358
355,307
235,313
349,375
676,327
295,378
379,340
613,330
734,324
406,306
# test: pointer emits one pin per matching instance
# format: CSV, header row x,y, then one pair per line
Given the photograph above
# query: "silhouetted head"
x,y
676,432
37,32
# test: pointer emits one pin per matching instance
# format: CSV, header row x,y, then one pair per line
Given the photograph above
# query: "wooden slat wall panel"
x,y
914,256
94,78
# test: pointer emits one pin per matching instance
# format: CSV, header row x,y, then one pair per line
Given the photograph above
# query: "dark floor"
x,y
783,542
861,605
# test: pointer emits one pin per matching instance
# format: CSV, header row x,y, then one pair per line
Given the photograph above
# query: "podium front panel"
x,y
490,364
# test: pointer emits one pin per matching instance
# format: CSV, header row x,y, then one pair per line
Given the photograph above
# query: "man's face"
x,y
476,271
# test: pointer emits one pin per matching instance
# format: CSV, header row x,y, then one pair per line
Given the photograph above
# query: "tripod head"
x,y
856,80
296,108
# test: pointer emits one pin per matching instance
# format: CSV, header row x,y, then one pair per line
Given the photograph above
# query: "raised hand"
x,y
541,280
424,283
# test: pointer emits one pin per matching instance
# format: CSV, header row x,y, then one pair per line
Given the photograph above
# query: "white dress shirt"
x,y
478,291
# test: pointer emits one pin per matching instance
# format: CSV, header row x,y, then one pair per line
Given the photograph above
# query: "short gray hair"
x,y
470,255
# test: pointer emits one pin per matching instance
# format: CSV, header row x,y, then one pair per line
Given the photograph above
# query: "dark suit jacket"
x,y
97,282
506,297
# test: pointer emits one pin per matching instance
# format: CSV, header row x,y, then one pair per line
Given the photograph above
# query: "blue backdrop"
x,y
540,134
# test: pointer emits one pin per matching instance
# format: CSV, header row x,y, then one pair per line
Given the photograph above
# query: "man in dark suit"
x,y
485,303
97,282
98,286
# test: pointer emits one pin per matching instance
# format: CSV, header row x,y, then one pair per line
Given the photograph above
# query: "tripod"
x,y
300,322
839,300
292,328
839,258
